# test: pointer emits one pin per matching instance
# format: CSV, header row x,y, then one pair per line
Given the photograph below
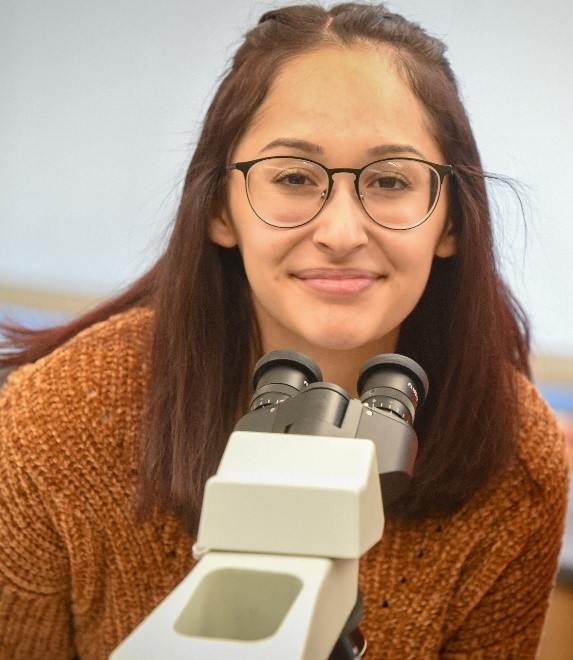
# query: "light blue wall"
x,y
100,103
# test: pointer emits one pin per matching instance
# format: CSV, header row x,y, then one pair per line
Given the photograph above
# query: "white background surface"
x,y
100,103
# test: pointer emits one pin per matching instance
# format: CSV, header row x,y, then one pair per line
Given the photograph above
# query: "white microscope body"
x,y
284,522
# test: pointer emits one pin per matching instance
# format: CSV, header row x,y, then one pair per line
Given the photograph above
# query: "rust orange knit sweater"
x,y
77,574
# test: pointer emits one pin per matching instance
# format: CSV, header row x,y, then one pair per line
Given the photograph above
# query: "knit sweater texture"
x,y
77,573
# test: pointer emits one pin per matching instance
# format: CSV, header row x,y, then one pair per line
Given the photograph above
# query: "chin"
x,y
339,341
350,336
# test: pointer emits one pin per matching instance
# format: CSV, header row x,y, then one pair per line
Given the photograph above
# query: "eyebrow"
x,y
394,150
380,151
290,143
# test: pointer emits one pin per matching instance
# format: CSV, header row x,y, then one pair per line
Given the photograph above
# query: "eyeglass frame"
x,y
441,170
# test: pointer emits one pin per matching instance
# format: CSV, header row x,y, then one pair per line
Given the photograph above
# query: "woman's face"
x,y
340,282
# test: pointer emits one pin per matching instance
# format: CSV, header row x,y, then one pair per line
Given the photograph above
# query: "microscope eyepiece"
x,y
395,383
280,375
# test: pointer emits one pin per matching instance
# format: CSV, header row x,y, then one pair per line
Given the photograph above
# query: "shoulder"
x,y
80,397
91,354
526,505
542,448
69,427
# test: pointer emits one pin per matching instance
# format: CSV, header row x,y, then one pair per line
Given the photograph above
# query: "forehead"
x,y
341,95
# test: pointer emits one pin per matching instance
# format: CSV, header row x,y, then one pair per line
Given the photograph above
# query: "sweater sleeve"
x,y
35,618
507,620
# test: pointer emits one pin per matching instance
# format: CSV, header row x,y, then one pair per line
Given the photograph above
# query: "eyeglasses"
x,y
397,193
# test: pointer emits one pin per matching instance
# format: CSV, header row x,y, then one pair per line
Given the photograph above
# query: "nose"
x,y
339,228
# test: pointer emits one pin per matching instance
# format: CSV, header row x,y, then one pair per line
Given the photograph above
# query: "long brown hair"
x,y
467,330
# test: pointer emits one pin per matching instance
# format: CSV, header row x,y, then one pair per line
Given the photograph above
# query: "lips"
x,y
341,282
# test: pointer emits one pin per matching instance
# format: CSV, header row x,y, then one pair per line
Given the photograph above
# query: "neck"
x,y
344,367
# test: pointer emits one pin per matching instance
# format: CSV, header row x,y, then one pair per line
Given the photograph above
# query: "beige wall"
x,y
43,299
557,643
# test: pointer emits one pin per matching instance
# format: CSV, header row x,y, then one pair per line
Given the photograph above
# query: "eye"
x,y
390,182
386,178
295,178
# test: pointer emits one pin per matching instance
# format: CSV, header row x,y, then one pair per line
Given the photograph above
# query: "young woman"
x,y
335,205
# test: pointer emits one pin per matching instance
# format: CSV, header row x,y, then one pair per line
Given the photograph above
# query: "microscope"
x,y
296,501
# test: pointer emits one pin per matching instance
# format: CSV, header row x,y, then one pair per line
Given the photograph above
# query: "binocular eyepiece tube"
x,y
389,382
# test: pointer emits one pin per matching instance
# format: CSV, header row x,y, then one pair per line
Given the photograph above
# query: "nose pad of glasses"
x,y
325,194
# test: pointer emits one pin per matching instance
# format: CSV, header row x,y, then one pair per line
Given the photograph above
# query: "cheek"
x,y
410,252
261,258
264,247
411,259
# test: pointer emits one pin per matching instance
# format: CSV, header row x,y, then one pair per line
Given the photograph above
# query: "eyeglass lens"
x,y
287,192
